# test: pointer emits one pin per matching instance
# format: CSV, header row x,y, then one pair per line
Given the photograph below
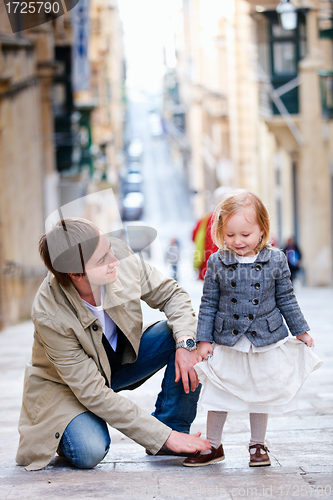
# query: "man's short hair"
x,y
68,246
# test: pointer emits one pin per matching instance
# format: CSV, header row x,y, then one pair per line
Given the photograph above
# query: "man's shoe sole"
x,y
259,464
170,454
215,460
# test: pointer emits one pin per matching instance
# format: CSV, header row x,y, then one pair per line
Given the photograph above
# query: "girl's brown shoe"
x,y
200,459
258,458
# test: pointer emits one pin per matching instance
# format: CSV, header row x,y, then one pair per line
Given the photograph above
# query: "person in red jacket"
x,y
202,238
204,244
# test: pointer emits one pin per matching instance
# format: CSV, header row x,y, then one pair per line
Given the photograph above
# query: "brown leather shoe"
x,y
199,459
259,459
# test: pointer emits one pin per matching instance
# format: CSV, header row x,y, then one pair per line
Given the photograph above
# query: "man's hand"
x,y
186,443
204,348
184,362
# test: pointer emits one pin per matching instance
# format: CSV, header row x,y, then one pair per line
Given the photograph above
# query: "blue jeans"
x,y
86,439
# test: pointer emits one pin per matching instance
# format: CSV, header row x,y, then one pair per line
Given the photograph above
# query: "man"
x,y
89,344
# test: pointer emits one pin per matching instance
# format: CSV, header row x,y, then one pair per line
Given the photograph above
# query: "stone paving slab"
x,y
166,478
301,442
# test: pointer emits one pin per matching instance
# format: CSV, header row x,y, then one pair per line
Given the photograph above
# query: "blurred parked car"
x,y
155,124
135,150
134,167
138,236
133,205
132,183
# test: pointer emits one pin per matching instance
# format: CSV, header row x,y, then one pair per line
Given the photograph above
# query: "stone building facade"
x,y
34,178
257,115
26,163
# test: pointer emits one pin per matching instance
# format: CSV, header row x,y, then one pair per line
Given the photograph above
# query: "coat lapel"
x,y
86,318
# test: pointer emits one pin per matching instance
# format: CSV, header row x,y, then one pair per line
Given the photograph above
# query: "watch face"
x,y
190,343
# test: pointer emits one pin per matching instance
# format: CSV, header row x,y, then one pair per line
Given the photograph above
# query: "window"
x,y
284,58
59,99
280,51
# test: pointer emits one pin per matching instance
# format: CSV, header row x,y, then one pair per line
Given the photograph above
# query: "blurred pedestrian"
x,y
294,256
172,257
204,245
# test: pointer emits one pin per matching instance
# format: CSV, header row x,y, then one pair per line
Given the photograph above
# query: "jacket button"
x,y
234,332
236,316
255,302
95,328
254,333
57,435
250,317
257,286
232,268
234,301
258,267
233,284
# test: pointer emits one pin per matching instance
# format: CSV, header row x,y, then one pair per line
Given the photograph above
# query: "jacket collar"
x,y
228,257
111,296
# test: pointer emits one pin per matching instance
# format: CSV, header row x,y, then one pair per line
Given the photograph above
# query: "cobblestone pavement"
x,y
300,442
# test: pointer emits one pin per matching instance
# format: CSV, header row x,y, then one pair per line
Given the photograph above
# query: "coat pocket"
x,y
274,321
218,325
42,400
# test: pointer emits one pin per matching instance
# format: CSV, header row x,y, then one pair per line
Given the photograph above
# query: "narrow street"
x,y
300,443
168,205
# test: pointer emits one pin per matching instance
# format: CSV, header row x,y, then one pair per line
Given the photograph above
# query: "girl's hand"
x,y
203,349
306,338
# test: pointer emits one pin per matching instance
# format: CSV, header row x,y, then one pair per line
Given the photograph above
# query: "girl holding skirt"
x,y
253,346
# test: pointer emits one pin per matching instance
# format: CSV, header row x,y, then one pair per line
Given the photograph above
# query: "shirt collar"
x,y
228,258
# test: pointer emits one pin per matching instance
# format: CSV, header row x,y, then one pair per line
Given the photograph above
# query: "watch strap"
x,y
190,346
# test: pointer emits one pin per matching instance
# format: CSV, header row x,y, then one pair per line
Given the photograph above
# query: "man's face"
x,y
101,267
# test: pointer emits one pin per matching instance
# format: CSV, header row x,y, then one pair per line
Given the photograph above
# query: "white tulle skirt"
x,y
256,382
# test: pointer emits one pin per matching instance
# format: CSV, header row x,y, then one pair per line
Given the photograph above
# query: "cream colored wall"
x,y
247,98
21,190
267,148
26,163
232,96
286,197
21,159
314,175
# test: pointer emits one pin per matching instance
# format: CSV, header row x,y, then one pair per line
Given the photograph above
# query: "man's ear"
x,y
75,276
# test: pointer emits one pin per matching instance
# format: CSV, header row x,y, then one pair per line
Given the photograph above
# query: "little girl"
x,y
249,360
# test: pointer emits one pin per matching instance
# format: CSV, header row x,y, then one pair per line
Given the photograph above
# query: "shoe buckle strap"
x,y
261,446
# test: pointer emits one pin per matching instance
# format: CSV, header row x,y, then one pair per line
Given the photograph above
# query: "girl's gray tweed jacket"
x,y
248,299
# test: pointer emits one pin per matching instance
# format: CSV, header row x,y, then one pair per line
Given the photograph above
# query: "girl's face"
x,y
242,232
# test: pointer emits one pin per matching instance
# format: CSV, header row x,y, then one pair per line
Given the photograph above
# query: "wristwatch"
x,y
189,344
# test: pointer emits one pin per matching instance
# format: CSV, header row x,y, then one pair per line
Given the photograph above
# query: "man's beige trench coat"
x,y
69,372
